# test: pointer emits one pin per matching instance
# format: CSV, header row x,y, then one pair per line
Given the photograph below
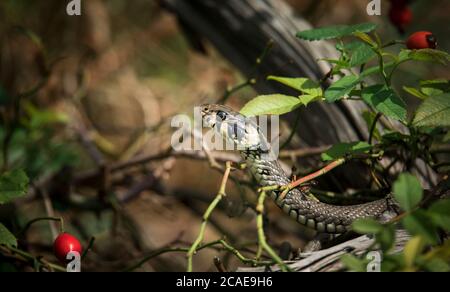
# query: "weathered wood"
x,y
329,259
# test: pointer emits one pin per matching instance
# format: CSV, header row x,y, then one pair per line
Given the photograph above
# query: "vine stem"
x,y
263,245
206,216
225,245
28,225
29,258
373,127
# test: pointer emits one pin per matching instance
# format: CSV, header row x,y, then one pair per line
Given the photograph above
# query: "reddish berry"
x,y
399,3
400,16
421,40
64,244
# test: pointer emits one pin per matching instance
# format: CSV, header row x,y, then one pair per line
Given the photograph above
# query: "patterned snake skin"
x,y
313,214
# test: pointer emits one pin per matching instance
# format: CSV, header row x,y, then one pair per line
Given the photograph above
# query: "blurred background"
x,y
96,95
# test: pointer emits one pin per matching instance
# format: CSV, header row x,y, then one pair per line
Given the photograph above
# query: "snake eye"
x,y
222,115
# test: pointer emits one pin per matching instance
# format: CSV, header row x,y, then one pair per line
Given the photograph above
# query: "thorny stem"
x,y
206,216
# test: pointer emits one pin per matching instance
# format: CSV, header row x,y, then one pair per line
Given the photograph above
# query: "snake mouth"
x,y
209,121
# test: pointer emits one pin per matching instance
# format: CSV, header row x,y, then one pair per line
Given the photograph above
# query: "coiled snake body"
x,y
268,172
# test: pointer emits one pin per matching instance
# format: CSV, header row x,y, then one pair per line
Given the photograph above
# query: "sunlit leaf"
x,y
274,104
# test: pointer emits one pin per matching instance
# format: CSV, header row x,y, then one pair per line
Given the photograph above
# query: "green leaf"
x,y
307,99
353,263
361,55
341,88
342,149
420,224
433,112
415,92
358,51
274,104
412,250
13,184
6,237
440,213
366,39
386,238
367,226
437,265
429,55
304,85
338,31
407,191
385,101
434,87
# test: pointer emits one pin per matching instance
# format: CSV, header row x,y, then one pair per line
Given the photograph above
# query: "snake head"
x,y
242,131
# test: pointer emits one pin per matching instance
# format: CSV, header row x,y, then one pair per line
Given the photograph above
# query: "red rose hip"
x,y
400,16
64,244
421,40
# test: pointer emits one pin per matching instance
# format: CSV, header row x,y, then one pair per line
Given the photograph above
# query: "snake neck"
x,y
313,214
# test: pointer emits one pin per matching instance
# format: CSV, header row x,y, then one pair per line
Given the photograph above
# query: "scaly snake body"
x,y
313,214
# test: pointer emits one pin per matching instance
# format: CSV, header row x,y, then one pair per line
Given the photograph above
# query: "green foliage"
x,y
419,223
6,237
434,112
430,124
367,226
341,88
343,149
385,101
13,184
303,85
274,104
333,32
407,191
354,263
440,214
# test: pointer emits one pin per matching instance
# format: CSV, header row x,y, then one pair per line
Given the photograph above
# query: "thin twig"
x,y
261,236
24,256
304,152
373,127
50,212
293,131
206,216
89,247
28,225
